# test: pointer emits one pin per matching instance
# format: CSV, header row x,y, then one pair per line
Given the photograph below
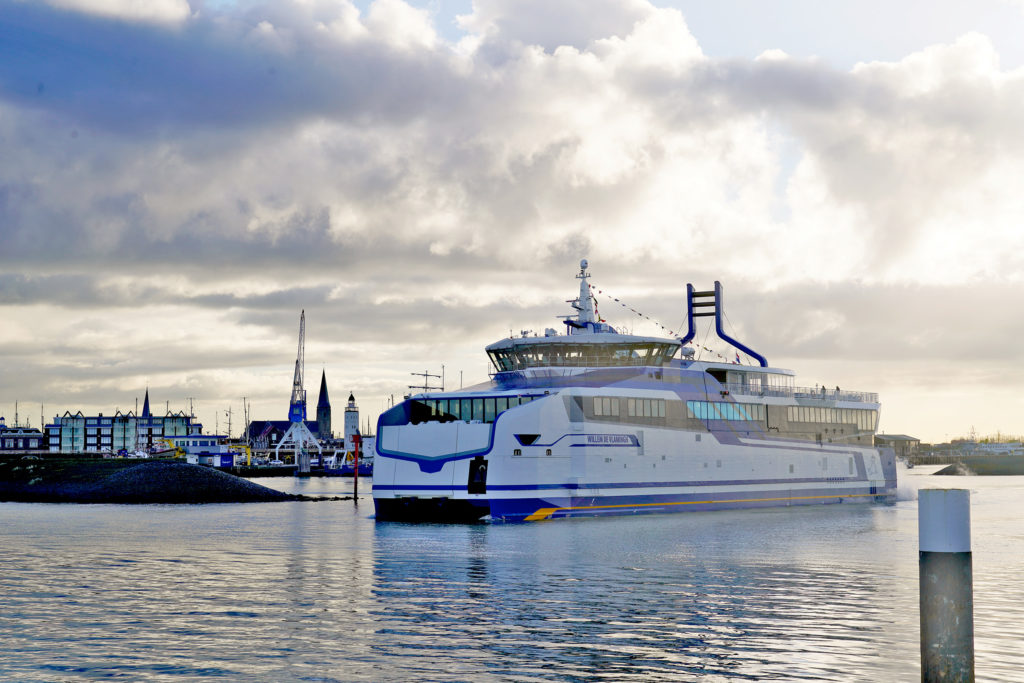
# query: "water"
x,y
320,592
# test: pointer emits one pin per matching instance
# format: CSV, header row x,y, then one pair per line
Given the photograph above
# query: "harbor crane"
x,y
298,436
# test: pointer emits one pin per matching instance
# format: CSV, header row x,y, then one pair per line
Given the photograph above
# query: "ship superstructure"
x,y
597,422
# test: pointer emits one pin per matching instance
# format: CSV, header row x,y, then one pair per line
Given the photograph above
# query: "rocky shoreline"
x,y
126,481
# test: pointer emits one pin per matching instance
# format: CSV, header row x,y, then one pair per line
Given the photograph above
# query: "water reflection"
x,y
625,599
299,591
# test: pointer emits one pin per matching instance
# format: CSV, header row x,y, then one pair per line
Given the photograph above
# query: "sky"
x,y
179,179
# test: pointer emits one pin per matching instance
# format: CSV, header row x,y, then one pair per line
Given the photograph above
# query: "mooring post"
x,y
946,584
357,443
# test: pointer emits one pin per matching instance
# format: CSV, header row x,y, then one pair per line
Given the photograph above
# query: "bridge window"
x,y
545,354
482,409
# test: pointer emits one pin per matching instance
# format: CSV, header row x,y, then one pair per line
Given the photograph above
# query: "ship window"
x,y
631,407
501,404
453,408
606,406
702,410
489,406
728,411
478,409
466,409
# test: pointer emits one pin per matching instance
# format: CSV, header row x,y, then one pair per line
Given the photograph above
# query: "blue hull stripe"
x,y
624,485
537,509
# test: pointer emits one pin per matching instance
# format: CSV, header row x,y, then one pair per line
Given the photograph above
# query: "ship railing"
x,y
802,392
582,361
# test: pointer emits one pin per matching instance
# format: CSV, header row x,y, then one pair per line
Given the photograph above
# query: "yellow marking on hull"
x,y
545,513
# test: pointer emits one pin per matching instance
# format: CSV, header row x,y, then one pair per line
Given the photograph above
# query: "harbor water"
x,y
304,591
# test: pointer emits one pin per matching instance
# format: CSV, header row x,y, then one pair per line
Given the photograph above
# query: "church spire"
x,y
145,405
324,401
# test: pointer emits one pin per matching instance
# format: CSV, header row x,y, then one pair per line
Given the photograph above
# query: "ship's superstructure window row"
x,y
581,355
611,406
864,419
645,407
465,409
721,410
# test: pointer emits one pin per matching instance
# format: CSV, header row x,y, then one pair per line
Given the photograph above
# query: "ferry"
x,y
594,422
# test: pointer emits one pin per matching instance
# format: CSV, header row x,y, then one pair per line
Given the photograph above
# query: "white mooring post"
x,y
946,584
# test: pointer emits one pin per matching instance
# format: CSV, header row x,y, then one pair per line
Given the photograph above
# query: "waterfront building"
x,y
207,449
20,439
78,433
903,445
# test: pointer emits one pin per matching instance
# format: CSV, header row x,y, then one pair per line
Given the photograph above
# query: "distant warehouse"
x,y
905,446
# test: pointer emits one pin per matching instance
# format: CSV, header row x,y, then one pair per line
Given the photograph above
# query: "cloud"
x,y
242,161
550,25
158,11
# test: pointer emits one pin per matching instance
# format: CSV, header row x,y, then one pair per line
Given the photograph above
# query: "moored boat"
x,y
597,422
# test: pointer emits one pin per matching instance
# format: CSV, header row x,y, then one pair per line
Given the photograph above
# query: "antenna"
x,y
245,415
426,381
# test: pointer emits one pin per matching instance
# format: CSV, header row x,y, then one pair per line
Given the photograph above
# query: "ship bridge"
x,y
589,342
596,350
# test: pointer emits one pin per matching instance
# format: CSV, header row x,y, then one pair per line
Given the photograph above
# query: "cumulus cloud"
x,y
239,162
159,11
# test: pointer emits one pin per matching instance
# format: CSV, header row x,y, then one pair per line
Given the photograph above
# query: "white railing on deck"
x,y
803,392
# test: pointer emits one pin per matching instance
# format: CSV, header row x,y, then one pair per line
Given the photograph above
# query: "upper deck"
x,y
586,350
590,344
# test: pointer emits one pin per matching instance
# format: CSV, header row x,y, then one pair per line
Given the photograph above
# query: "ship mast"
x,y
584,304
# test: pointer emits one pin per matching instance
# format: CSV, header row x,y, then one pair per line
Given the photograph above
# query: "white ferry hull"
x,y
425,472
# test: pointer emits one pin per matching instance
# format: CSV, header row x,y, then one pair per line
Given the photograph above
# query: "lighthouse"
x,y
351,423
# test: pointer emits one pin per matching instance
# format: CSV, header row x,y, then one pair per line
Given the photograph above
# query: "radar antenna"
x,y
584,304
